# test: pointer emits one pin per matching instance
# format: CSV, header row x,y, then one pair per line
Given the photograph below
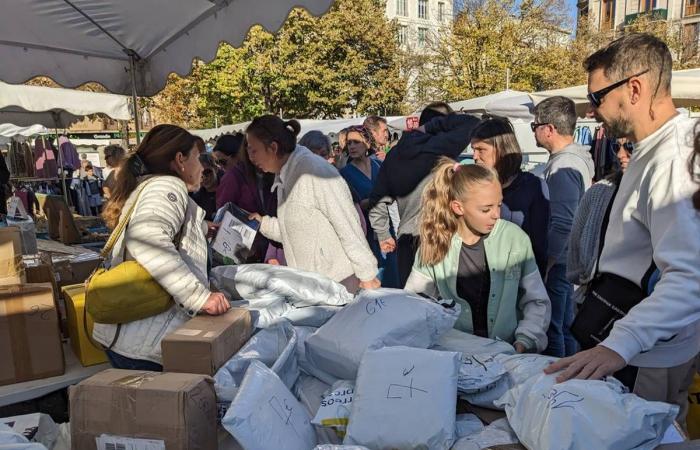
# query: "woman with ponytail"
x,y
166,235
486,264
316,221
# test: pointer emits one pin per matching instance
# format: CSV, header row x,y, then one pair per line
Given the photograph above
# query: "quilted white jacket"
x,y
163,209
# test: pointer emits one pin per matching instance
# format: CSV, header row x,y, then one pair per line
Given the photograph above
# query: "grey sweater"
x,y
568,174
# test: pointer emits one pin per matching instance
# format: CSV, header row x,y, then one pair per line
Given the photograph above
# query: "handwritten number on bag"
x,y
284,411
375,306
562,399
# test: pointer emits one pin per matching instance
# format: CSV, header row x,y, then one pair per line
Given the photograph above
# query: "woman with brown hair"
x,y
485,264
525,196
165,235
316,221
361,174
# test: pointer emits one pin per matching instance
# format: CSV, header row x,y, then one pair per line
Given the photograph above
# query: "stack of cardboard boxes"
x,y
33,312
175,409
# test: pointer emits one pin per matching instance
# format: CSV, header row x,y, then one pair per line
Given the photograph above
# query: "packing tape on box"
x,y
134,381
11,267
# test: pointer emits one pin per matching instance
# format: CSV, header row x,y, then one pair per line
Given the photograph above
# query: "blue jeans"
x,y
122,362
561,342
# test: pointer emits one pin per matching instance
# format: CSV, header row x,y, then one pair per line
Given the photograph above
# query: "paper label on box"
x,y
211,334
233,235
186,332
108,442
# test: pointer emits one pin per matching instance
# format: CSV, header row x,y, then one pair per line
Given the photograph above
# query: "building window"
x,y
608,16
691,39
422,9
422,37
441,11
647,5
403,35
401,8
692,7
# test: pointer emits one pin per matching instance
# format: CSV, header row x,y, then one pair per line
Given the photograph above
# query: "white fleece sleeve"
x,y
152,230
270,228
336,204
674,228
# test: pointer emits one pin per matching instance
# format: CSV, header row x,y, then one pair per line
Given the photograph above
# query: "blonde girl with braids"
x,y
486,264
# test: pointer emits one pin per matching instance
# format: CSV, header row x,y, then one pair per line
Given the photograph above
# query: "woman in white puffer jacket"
x,y
166,235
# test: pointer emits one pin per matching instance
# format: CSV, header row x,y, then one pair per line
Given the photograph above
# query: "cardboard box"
x,y
30,342
177,409
75,269
87,353
205,343
11,268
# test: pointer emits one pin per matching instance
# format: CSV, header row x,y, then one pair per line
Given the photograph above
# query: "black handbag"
x,y
609,298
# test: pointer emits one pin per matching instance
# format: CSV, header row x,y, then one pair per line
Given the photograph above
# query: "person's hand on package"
x,y
212,229
387,245
255,216
592,364
371,284
519,347
216,304
273,262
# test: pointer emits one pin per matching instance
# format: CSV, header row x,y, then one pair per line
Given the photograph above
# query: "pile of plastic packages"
x,y
384,370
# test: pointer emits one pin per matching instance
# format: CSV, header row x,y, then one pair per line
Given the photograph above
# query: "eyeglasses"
x,y
535,125
628,146
221,162
596,98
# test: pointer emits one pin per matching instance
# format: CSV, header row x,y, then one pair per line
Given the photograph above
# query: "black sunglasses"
x,y
221,162
535,125
628,146
596,98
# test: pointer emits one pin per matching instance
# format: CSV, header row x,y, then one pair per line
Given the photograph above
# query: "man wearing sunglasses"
x,y
652,225
568,173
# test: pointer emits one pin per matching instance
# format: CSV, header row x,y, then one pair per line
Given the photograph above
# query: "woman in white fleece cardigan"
x,y
316,221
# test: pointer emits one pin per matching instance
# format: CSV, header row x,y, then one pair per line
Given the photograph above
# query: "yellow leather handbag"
x,y
125,292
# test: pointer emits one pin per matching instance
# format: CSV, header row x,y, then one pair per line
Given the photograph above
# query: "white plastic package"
x,y
469,344
264,281
519,369
310,392
334,410
377,318
479,373
304,364
405,398
467,424
498,432
275,347
265,415
339,447
12,440
584,414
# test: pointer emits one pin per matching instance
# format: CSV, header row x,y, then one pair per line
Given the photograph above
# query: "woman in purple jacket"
x,y
243,186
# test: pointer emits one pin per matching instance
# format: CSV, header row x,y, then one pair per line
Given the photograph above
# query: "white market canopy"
x,y
508,103
56,108
9,131
324,126
76,41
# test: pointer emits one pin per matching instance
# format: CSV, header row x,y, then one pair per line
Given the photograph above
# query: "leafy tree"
x,y
313,67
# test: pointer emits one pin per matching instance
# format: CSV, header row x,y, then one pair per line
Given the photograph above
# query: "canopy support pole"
x,y
134,97
59,157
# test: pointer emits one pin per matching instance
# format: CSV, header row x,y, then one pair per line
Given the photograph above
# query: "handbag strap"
x,y
121,226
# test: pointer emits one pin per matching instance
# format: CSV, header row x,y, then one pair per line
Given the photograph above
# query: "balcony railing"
x,y
692,10
656,14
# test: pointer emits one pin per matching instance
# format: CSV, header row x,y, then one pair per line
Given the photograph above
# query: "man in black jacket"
x,y
406,171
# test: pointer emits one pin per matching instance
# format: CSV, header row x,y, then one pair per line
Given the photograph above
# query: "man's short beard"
x,y
619,127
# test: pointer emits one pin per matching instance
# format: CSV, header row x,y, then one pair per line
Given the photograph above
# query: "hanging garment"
x,y
583,136
69,154
45,158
